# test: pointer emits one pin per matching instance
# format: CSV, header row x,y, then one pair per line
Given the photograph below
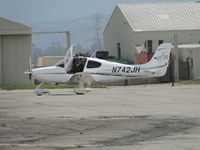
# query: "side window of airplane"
x,y
93,64
61,65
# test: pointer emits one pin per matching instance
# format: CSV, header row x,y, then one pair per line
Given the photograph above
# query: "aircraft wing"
x,y
82,78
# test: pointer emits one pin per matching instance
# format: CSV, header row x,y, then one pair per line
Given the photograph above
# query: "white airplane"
x,y
87,69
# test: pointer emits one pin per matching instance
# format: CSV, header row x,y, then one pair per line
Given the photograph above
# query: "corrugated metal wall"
x,y
0,63
16,50
119,31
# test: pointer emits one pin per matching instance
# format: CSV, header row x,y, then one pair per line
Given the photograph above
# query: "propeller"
x,y
30,68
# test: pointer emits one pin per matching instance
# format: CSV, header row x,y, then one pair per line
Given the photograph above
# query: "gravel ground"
x,y
133,117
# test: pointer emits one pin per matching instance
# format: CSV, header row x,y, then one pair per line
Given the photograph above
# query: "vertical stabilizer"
x,y
160,60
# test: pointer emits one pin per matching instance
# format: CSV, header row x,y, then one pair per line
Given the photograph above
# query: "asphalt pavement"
x,y
140,117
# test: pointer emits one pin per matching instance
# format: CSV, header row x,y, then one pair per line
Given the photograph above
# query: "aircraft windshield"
x,y
72,64
69,54
69,58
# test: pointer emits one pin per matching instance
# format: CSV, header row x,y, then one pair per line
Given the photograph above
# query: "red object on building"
x,y
149,56
143,57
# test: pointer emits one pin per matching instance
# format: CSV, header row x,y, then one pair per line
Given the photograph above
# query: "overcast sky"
x,y
34,11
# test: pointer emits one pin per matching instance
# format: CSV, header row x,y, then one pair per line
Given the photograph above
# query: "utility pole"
x,y
97,27
176,58
68,42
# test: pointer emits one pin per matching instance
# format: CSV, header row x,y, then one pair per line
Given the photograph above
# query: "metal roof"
x,y
12,27
162,16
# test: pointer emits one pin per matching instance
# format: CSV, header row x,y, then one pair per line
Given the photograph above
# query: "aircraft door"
x,y
77,65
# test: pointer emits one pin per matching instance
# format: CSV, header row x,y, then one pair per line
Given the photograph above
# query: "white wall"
x,y
16,50
196,64
193,53
118,30
184,37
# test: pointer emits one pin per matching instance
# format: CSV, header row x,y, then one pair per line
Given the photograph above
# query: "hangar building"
x,y
133,25
15,50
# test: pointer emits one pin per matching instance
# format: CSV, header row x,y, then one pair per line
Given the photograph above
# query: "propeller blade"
x,y
30,76
30,63
29,71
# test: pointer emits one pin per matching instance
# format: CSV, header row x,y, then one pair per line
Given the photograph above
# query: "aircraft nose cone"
x,y
29,71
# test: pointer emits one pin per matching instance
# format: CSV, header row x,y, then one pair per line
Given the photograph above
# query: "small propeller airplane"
x,y
85,70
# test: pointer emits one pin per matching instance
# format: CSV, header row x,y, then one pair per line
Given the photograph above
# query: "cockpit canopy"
x,y
76,64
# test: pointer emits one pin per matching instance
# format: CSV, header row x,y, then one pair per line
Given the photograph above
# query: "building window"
x,y
160,42
118,51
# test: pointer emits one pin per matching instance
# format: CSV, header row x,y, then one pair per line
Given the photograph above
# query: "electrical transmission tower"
x,y
98,28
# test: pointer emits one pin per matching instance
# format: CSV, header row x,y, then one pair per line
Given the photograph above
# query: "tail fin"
x,y
160,60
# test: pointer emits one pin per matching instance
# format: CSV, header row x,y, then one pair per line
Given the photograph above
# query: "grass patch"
x,y
189,81
46,86
18,87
